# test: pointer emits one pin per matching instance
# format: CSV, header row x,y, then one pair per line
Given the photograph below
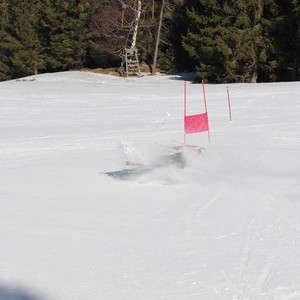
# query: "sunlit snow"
x,y
225,227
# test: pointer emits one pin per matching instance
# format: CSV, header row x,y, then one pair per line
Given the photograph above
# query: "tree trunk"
x,y
253,78
136,24
295,74
158,37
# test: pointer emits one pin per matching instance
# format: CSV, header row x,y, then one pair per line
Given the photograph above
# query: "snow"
x,y
225,227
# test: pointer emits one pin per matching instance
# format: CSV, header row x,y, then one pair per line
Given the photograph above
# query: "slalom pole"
x,y
184,111
229,106
205,105
204,95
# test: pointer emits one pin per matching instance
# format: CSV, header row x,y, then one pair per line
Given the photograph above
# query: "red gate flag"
x,y
196,123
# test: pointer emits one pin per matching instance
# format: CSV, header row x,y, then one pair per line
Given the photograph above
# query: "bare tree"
x,y
116,25
136,24
132,24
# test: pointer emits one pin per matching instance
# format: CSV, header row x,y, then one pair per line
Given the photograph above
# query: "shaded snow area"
x,y
225,226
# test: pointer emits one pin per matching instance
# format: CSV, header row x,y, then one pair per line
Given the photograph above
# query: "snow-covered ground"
x,y
225,227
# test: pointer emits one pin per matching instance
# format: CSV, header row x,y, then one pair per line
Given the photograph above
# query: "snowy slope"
x,y
225,227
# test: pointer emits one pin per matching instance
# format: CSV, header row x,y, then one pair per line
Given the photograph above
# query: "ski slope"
x,y
225,227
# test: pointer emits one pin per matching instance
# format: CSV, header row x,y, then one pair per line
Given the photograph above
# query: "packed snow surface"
x,y
225,227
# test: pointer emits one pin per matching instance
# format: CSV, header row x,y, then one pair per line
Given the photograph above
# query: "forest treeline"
x,y
222,40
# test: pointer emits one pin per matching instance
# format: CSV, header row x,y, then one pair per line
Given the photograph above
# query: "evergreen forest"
x,y
221,40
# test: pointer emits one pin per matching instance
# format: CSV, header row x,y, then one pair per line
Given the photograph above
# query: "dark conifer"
x,y
229,40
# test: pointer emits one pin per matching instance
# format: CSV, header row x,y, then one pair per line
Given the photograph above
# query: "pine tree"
x,y
4,42
296,64
229,40
287,33
203,41
252,49
63,33
27,57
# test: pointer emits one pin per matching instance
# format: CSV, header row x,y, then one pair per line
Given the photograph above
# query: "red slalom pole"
x,y
204,95
205,105
229,106
184,113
